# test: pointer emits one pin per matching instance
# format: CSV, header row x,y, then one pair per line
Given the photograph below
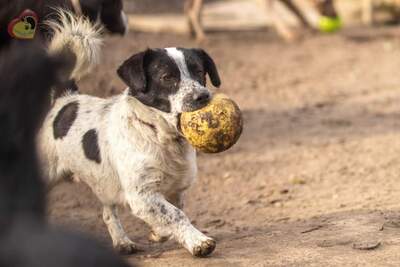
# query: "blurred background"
x,y
315,175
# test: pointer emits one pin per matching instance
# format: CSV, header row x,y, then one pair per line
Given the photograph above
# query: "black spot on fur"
x,y
64,119
179,216
163,209
106,108
90,143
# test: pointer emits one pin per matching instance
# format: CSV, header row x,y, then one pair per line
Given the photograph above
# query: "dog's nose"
x,y
202,98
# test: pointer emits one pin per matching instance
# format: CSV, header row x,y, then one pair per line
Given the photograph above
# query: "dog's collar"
x,y
76,5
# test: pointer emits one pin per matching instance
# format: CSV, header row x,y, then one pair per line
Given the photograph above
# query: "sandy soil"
x,y
313,181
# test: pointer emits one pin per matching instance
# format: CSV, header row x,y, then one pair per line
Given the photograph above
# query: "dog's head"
x,y
172,80
109,12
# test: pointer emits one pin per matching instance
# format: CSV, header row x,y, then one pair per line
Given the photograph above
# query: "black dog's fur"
x,y
31,244
27,74
109,12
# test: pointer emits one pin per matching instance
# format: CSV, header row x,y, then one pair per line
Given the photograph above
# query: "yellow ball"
x,y
214,128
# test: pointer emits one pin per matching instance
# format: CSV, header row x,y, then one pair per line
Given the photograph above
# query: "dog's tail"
x,y
75,36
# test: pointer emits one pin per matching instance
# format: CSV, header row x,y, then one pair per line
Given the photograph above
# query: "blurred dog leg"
x,y
297,12
193,10
279,24
326,8
367,10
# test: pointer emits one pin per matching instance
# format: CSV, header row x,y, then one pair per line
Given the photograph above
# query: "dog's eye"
x,y
200,72
167,78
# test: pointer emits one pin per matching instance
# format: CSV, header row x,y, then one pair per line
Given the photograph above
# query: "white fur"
x,y
77,36
179,59
187,84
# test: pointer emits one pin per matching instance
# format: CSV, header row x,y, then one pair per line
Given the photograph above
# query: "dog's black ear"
x,y
209,67
133,73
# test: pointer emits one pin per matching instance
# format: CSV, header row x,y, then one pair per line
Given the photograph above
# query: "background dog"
x,y
193,9
108,12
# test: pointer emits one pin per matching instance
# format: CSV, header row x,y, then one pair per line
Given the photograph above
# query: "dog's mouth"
x,y
196,100
195,106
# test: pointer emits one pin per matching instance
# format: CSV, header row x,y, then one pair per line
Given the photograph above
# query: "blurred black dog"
x,y
24,90
27,73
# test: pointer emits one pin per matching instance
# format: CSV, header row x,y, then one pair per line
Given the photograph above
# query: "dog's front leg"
x,y
167,220
175,199
121,241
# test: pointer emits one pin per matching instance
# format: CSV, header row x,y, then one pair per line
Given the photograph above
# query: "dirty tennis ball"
x,y
329,24
214,128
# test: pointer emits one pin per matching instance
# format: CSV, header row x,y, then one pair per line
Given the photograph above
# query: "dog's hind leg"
x,y
121,241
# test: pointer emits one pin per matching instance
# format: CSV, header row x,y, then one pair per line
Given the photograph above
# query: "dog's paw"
x,y
205,248
157,238
127,248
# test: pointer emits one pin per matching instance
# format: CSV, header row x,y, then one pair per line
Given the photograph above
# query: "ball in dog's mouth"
x,y
215,127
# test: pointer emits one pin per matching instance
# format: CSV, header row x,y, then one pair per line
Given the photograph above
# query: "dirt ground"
x,y
315,177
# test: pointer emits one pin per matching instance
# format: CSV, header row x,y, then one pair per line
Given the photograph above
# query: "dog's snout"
x,y
202,97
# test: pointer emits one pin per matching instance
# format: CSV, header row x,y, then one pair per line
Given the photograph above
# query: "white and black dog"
x,y
128,148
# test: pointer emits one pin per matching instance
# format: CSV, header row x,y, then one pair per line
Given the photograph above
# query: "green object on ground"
x,y
329,25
